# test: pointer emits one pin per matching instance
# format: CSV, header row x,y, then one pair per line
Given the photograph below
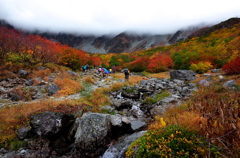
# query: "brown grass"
x,y
55,67
117,86
88,79
160,75
181,116
213,112
98,98
40,73
67,86
14,117
117,75
135,79
6,74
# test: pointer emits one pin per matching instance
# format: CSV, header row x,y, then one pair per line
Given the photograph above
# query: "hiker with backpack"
x,y
126,73
85,68
104,72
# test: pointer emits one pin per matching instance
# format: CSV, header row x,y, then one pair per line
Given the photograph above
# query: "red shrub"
x,y
139,65
232,67
160,64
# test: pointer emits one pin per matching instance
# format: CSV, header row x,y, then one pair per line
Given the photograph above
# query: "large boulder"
x,y
203,82
50,124
14,96
118,150
23,132
131,93
121,103
52,89
93,134
230,84
22,73
185,75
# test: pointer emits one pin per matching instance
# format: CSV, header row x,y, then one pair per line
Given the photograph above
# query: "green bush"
x,y
171,141
156,98
87,90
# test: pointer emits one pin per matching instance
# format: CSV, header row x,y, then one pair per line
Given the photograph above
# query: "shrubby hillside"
x,y
206,124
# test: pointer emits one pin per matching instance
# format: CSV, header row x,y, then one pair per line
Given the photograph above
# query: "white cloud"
x,y
106,16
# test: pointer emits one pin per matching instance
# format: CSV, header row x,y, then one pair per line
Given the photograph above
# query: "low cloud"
x,y
107,16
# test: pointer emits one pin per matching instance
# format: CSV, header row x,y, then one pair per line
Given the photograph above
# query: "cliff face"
x,y
123,42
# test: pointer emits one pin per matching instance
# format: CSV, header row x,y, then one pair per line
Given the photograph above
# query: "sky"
x,y
115,16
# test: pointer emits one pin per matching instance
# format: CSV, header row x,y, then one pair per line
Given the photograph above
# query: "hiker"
x,y
99,70
105,72
113,69
84,68
126,73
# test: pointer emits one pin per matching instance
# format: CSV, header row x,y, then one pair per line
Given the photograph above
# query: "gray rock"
x,y
230,84
185,75
52,89
48,124
2,150
121,80
51,78
3,83
207,75
122,103
138,125
2,90
14,96
42,68
29,82
108,108
143,82
120,147
167,100
116,120
23,132
22,73
203,82
72,73
93,134
215,70
131,93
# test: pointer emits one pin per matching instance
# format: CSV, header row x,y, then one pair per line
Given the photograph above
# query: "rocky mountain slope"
x,y
124,42
128,42
207,30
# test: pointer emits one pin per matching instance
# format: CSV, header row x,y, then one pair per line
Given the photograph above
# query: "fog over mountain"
x,y
113,17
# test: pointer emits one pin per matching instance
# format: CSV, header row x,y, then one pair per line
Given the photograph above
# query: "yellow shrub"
x,y
201,67
159,123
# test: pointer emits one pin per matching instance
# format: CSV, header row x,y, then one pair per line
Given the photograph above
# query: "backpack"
x,y
126,72
105,71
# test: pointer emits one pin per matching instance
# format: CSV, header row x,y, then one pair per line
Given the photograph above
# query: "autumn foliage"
x,y
232,67
201,67
28,51
160,64
215,50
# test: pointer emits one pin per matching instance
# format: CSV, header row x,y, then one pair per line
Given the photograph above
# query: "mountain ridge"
x,y
127,42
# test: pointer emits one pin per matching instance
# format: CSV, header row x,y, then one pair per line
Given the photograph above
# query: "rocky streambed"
x,y
96,135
